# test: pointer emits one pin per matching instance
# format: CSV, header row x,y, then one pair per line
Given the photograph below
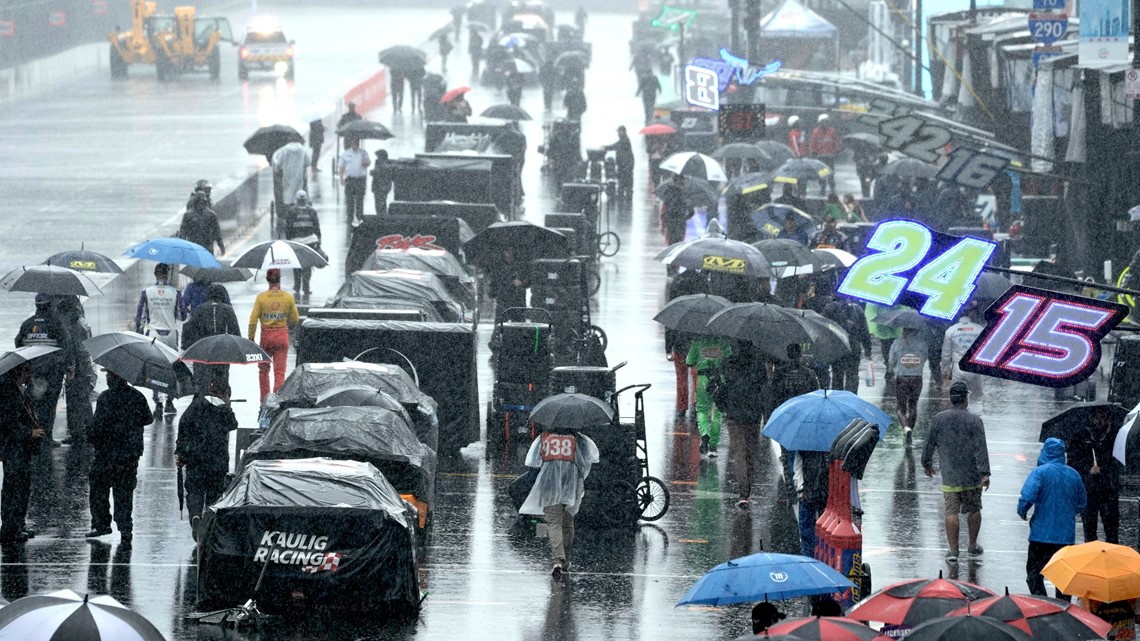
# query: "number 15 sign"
x,y
1042,337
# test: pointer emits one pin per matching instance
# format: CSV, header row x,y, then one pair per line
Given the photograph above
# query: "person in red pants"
x,y
277,312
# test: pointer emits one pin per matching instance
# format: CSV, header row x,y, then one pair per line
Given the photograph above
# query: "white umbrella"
x,y
1120,445
280,254
66,615
691,163
1134,214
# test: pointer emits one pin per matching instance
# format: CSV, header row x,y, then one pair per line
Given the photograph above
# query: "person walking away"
x,y
824,147
677,343
354,163
514,87
743,379
475,49
303,226
116,436
563,459
277,312
211,318
316,142
675,210
574,101
623,150
77,388
415,76
204,187
958,338
158,313
810,476
445,48
396,88
289,164
796,140
202,449
959,438
788,380
195,294
381,182
845,370
908,357
457,13
1056,494
648,86
200,225
1090,454
706,353
48,372
885,334
548,75
22,435
509,280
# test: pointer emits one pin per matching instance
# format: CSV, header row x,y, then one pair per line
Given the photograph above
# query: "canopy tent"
x,y
798,37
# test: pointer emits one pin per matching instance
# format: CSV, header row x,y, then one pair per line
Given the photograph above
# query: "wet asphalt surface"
x,y
486,576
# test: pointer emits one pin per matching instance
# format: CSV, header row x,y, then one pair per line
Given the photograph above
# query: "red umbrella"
x,y
452,94
1041,617
909,603
657,129
824,629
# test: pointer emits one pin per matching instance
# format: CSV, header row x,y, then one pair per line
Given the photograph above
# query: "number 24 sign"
x,y
909,259
1041,337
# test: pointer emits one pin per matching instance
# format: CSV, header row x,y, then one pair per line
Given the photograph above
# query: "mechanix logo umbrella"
x,y
82,260
48,279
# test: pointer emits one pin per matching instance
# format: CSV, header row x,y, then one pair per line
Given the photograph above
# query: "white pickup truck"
x,y
265,48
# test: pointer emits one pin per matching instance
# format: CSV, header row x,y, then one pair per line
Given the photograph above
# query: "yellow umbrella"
x,y
1097,570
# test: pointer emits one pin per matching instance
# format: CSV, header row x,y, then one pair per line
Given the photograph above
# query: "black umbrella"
x,y
778,152
787,253
571,412
770,327
66,615
269,139
799,170
402,57
48,279
905,318
990,286
829,341
365,130
142,361
865,142
698,192
226,274
1079,416
82,260
529,242
742,151
13,359
225,349
746,184
690,313
908,168
505,112
831,258
968,627
573,58
769,219
717,255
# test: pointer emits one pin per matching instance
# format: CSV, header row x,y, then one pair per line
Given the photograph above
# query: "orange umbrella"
x,y
1097,570
452,94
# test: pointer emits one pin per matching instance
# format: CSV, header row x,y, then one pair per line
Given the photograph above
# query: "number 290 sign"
x,y
1042,337
928,270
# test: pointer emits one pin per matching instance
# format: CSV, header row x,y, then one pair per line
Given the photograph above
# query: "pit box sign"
x,y
908,263
701,89
1042,337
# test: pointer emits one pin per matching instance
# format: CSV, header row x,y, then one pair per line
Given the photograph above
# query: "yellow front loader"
x,y
185,42
133,47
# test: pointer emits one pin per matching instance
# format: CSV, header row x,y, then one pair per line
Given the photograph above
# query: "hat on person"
x,y
959,390
793,120
821,118
302,195
273,275
43,300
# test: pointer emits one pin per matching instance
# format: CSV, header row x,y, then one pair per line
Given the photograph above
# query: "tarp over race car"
x,y
402,284
398,232
329,534
443,264
377,435
442,354
309,381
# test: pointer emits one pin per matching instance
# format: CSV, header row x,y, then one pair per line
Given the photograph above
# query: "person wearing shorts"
x,y
959,438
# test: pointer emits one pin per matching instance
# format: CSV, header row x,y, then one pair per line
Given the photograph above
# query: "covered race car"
x,y
381,436
308,381
328,534
440,262
402,284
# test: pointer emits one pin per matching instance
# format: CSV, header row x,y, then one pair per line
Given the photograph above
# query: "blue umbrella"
x,y
810,422
764,576
174,251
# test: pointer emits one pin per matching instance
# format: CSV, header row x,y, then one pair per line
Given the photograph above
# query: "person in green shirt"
x,y
886,335
707,353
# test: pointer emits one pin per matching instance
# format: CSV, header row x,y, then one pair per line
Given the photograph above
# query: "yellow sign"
x,y
723,264
83,265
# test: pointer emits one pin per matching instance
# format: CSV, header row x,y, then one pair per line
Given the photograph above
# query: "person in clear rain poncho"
x,y
563,460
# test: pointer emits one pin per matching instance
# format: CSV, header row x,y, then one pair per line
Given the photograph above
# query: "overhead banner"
x,y
1103,32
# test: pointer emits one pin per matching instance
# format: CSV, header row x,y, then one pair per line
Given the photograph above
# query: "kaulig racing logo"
x,y
289,548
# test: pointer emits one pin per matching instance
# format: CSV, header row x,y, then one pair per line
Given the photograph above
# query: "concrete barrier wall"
x,y
25,78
